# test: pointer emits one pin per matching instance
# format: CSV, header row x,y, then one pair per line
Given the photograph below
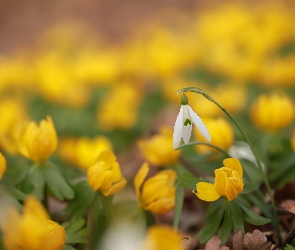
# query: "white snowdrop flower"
x,y
184,121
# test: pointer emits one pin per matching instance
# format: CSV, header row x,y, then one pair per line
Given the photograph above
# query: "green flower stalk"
x,y
259,165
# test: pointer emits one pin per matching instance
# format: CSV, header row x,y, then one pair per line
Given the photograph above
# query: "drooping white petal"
x,y
186,134
177,133
199,124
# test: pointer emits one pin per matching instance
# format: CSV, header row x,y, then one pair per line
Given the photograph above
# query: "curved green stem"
x,y
204,143
259,165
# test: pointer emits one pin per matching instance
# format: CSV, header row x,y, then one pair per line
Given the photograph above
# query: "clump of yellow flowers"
x,y
38,142
31,230
228,182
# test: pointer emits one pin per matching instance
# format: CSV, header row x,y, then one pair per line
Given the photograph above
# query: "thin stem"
x,y
259,165
204,143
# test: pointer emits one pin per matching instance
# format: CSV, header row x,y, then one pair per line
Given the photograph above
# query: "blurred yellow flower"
x,y
228,182
12,113
37,143
161,237
106,175
158,149
33,230
119,109
222,134
83,151
272,112
2,165
157,193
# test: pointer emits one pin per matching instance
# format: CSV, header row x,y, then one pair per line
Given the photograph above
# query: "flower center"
x,y
187,122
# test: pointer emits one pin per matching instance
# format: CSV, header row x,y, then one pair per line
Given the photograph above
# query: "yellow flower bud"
x,y
32,230
161,238
228,182
2,165
157,193
222,134
37,143
158,149
272,112
106,175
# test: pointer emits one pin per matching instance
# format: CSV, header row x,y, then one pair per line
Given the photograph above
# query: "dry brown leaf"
x,y
288,205
213,243
256,241
238,241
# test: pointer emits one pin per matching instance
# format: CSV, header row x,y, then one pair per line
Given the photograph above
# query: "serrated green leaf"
x,y
179,196
226,225
237,217
187,180
75,232
81,202
214,216
34,183
253,218
56,182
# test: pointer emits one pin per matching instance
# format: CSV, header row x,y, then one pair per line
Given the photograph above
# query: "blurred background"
x,y
112,68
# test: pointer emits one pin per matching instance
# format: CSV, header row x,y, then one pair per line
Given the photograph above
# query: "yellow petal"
x,y
206,191
35,208
55,237
220,182
115,187
234,164
139,178
234,186
2,165
97,178
161,206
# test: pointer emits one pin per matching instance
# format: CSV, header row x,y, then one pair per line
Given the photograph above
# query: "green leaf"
x,y
68,247
81,202
253,218
34,183
187,180
237,217
75,232
289,247
250,187
178,206
214,216
56,182
226,225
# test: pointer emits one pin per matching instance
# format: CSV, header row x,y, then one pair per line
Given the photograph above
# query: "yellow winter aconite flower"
x,y
106,175
161,237
157,193
222,134
83,151
37,143
272,112
31,230
2,165
228,182
12,113
119,109
158,149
